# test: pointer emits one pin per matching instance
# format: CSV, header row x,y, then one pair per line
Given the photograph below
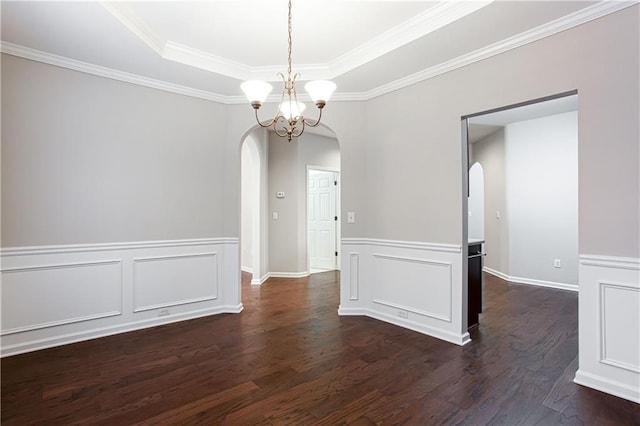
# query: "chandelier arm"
x,y
313,123
303,126
264,123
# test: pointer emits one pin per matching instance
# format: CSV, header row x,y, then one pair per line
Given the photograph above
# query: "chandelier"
x,y
288,120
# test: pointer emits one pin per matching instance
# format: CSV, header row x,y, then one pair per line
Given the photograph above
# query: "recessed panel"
x,y
416,285
620,325
46,296
175,280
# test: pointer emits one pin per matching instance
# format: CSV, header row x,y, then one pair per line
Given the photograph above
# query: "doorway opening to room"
x,y
520,213
323,224
277,239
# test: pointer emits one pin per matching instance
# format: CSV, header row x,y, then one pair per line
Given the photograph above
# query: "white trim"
x,y
564,23
61,322
495,273
608,386
247,269
149,259
412,309
449,248
73,248
72,320
100,71
602,323
575,19
610,261
8,350
261,280
531,281
354,275
418,26
352,311
438,333
288,274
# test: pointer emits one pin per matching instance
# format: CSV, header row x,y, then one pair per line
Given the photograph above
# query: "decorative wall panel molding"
x,y
56,295
416,285
160,282
42,296
619,323
609,325
354,276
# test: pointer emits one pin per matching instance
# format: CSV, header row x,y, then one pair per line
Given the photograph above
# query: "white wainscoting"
x,y
609,325
56,295
410,284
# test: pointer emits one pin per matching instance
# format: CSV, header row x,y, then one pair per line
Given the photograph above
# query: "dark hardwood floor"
x,y
290,359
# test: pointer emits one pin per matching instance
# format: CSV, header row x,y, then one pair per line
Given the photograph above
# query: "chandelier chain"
x,y
289,42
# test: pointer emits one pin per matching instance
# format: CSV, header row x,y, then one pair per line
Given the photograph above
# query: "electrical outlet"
x,y
556,263
403,314
164,313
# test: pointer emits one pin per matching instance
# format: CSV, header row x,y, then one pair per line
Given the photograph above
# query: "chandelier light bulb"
x,y
320,91
292,109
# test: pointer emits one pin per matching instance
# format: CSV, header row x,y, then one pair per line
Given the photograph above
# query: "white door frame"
x,y
306,211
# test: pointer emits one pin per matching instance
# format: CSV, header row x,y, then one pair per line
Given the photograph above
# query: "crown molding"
x,y
583,16
432,19
87,68
572,20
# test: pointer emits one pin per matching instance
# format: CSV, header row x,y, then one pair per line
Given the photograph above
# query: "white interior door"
x,y
322,219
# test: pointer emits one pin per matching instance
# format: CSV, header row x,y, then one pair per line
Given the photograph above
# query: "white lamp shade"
x,y
256,90
320,90
292,109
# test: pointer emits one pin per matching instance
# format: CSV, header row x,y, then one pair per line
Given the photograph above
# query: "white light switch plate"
x,y
351,217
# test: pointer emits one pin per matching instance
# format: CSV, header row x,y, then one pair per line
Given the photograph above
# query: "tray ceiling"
x,y
366,47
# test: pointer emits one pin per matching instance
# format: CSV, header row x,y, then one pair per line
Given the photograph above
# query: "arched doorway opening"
x,y
274,234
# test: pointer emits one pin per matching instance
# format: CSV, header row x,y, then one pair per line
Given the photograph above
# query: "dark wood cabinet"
x,y
474,290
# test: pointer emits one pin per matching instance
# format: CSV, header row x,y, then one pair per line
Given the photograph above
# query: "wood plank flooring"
x,y
288,358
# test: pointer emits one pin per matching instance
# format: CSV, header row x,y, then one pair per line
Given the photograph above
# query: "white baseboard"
x,y
445,335
246,269
66,339
529,281
288,274
608,386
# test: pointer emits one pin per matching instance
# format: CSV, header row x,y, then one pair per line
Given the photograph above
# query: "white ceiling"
x,y
206,48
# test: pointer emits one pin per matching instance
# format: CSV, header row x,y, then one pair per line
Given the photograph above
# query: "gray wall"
x,y
542,198
110,161
91,160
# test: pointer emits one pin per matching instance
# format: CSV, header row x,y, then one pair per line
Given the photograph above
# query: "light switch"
x,y
351,217
497,214
275,215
